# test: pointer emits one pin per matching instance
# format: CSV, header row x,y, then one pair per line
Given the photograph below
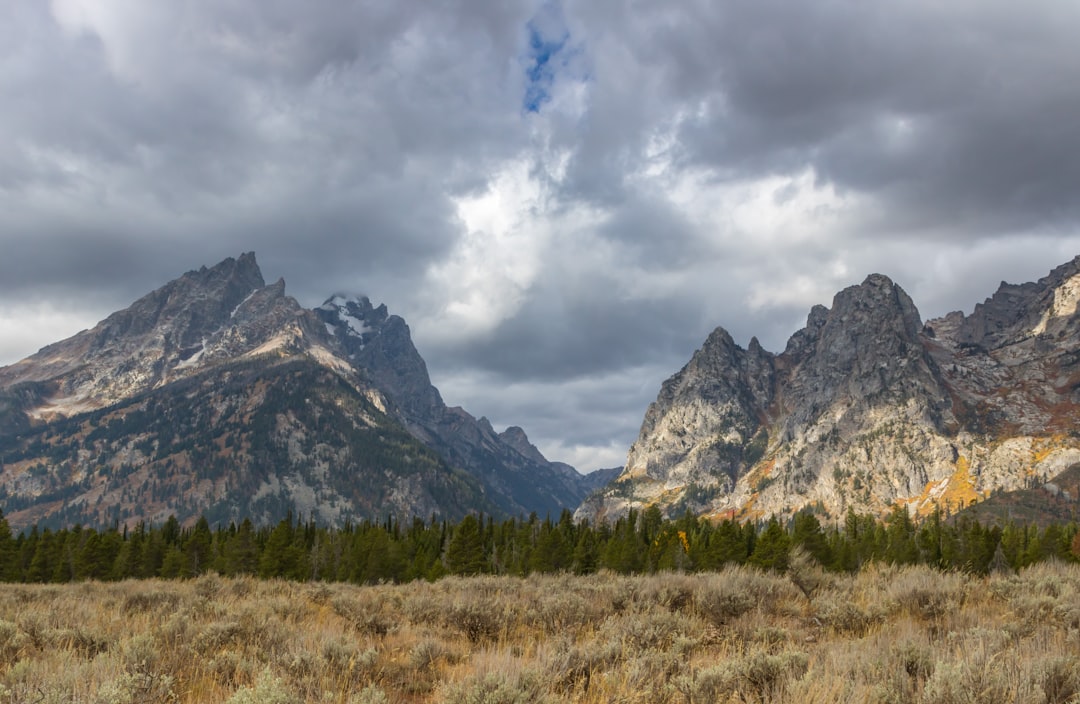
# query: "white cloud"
x,y
27,328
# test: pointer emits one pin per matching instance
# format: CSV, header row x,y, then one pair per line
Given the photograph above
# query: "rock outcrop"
x,y
867,407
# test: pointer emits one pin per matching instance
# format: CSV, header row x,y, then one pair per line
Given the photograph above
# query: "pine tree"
x,y
586,556
625,552
279,557
197,549
173,563
9,570
900,547
41,568
465,554
772,547
241,551
806,532
726,544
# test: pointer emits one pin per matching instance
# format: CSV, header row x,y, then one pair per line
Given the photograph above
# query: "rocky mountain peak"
x,y
869,409
1019,312
217,382
198,319
516,438
188,307
874,304
381,344
803,340
870,332
351,316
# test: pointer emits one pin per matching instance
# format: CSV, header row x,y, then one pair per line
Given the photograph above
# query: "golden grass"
x,y
884,635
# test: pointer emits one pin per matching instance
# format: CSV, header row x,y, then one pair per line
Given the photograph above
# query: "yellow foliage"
x,y
1042,447
959,490
961,487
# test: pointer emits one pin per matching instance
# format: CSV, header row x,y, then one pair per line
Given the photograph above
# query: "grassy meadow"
x,y
885,634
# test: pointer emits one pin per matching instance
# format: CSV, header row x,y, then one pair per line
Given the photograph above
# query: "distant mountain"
x,y
517,477
867,407
219,394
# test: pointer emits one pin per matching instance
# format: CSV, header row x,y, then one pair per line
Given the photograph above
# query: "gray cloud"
x,y
678,166
555,336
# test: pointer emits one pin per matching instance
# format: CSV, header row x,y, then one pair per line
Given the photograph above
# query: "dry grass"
x,y
886,635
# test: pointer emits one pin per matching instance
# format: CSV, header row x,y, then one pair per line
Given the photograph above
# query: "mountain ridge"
x,y
203,330
867,407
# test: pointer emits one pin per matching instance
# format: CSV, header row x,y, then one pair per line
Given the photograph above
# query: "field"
x,y
887,634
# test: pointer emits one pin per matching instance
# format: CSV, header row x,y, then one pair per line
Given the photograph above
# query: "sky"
x,y
561,199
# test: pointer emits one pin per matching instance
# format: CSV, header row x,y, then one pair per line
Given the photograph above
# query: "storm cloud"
x,y
561,199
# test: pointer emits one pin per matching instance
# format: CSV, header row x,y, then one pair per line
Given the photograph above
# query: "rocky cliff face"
x,y
519,478
219,394
194,322
867,407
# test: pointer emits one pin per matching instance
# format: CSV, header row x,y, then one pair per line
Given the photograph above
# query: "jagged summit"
x,y
218,393
516,438
867,407
351,316
1015,313
202,317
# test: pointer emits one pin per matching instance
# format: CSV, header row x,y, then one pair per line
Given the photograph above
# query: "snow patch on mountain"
x,y
357,326
241,303
194,359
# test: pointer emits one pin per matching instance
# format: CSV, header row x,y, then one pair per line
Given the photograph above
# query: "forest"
x,y
643,542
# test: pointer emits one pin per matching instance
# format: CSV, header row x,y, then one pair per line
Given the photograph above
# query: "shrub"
x,y
267,690
1059,679
927,594
370,695
495,688
650,631
840,613
720,602
476,620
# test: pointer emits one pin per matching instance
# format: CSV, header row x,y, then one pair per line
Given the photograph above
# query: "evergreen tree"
x,y
930,540
465,554
9,571
281,556
1012,544
241,551
552,552
67,548
772,548
153,554
807,532
727,543
41,567
625,551
197,549
586,555
173,563
900,547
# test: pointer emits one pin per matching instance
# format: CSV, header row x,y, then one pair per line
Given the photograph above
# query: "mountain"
x,y
517,477
867,407
219,394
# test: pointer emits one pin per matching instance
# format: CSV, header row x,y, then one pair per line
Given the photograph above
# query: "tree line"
x,y
640,542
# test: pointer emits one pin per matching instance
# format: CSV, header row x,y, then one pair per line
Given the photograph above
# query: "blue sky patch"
x,y
543,59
